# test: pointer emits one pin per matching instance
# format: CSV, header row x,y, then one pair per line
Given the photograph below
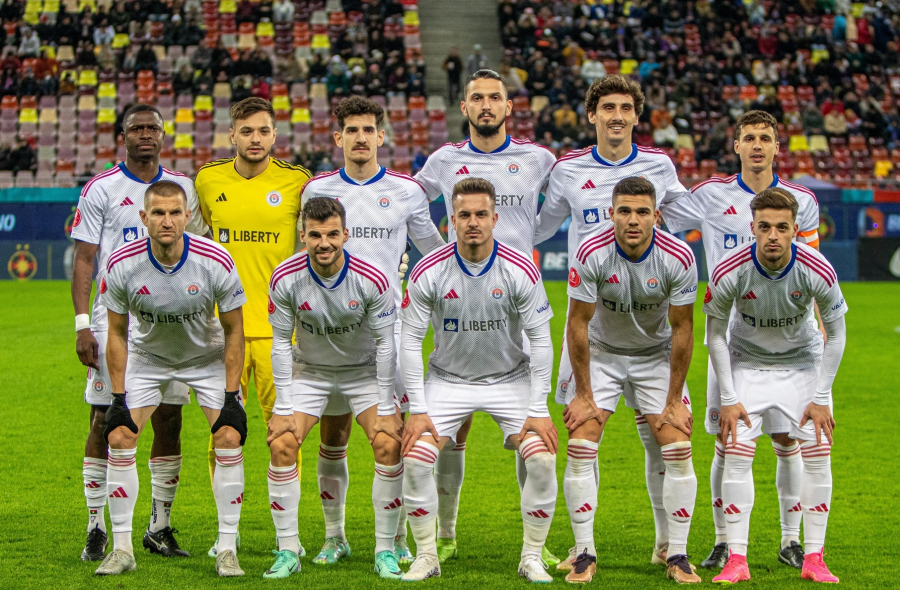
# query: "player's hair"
x,y
473,186
251,106
755,118
485,74
322,209
358,105
775,198
140,108
164,188
613,84
634,186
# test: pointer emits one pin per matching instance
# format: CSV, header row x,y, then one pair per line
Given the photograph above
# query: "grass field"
x,y
44,422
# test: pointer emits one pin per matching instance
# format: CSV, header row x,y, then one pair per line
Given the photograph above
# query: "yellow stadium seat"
x,y
203,103
265,29
281,103
82,4
87,78
818,55
87,103
28,116
628,66
856,9
51,6
818,143
169,127
246,41
318,90
106,90
798,143
48,116
120,40
106,116
883,168
411,18
184,116
222,90
228,6
684,140
51,51
221,140
321,42
66,53
184,141
300,116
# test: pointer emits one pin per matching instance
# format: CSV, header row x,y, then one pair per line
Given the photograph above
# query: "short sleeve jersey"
x,y
518,169
720,209
478,319
633,297
581,185
332,325
772,326
108,215
174,323
380,215
255,219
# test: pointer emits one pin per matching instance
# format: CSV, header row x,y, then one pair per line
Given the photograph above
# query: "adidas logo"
x,y
613,279
686,401
587,185
730,211
750,295
538,514
451,295
221,198
92,485
717,503
305,307
326,496
820,508
119,493
585,508
172,482
463,170
275,506
143,290
418,512
239,499
796,508
404,399
127,201
732,509
682,513
397,503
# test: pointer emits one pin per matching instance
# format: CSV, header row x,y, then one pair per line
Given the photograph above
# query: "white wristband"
x,y
82,322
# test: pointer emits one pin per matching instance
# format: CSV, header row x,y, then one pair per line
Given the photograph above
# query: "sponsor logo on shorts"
x,y
99,386
564,386
274,198
652,283
513,168
497,293
451,325
574,279
384,203
353,304
193,290
796,295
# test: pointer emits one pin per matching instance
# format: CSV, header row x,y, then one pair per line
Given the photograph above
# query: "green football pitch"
x,y
44,423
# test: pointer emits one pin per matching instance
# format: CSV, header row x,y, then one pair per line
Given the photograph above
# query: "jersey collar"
x,y
487,267
381,172
604,162
184,256
643,257
496,151
743,185
135,178
762,271
341,274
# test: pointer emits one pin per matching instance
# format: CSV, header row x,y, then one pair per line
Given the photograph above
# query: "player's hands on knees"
x,y
822,420
87,348
579,411
544,428
677,414
728,419
390,425
417,425
279,425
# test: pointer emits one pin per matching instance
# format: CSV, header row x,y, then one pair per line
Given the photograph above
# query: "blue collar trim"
x,y
135,178
787,269
487,267
341,275
604,162
743,185
381,172
643,256
496,151
184,257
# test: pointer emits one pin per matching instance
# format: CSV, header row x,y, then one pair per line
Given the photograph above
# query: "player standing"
x,y
643,276
479,295
171,284
383,207
341,310
107,217
774,359
252,203
581,185
518,169
720,209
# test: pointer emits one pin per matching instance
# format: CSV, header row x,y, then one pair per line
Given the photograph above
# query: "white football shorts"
x,y
143,383
450,404
773,421
313,388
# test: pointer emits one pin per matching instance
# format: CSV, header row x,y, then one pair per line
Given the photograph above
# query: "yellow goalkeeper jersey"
x,y
256,221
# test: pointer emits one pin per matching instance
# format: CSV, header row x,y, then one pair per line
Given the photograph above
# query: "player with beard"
x,y
518,169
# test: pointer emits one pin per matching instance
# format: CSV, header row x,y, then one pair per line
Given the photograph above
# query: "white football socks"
x,y
93,473
738,494
448,474
655,474
228,489
788,480
334,479
521,471
284,500
387,500
815,494
420,496
580,488
164,476
679,494
401,523
538,500
716,473
122,488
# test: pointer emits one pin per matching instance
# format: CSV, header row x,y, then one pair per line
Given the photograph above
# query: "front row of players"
x,y
480,296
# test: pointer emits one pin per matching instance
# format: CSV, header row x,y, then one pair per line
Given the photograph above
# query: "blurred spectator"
x,y
28,85
22,157
261,89
421,157
511,79
374,81
476,61
240,91
145,59
835,124
564,116
184,80
86,57
813,121
106,58
202,58
4,157
292,70
453,66
30,45
283,11
104,33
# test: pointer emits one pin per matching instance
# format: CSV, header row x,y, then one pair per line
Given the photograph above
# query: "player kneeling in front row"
x,y
342,311
480,295
643,276
171,284
775,359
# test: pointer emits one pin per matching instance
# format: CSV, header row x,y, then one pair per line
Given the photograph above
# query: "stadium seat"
x,y
798,143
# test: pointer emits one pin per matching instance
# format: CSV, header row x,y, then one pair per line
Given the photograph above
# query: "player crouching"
x,y
342,311
171,284
480,296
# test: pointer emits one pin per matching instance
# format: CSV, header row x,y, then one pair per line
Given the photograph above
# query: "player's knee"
x,y
227,438
387,450
284,449
122,438
542,465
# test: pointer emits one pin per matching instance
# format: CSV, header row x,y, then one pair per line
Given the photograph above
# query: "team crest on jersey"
x,y
730,241
652,283
497,293
591,216
353,304
713,415
384,203
193,290
564,387
405,302
796,295
77,220
102,287
513,168
451,325
574,279
274,198
271,305
708,297
98,386
129,234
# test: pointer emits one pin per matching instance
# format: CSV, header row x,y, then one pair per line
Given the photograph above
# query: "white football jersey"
x,y
633,297
174,323
332,325
581,185
772,326
518,170
478,319
108,214
720,209
380,214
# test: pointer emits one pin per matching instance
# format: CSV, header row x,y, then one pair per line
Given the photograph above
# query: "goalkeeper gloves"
x,y
404,263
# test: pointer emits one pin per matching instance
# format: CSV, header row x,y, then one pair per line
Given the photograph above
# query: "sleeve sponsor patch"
x,y
574,279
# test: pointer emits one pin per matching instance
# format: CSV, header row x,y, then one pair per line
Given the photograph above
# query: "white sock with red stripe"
x,y
122,487
679,494
420,496
164,475
284,500
716,473
228,489
738,494
655,474
580,488
93,472
449,472
387,499
788,480
334,479
538,500
815,494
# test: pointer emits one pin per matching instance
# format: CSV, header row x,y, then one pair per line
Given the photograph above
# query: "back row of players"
x,y
480,294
